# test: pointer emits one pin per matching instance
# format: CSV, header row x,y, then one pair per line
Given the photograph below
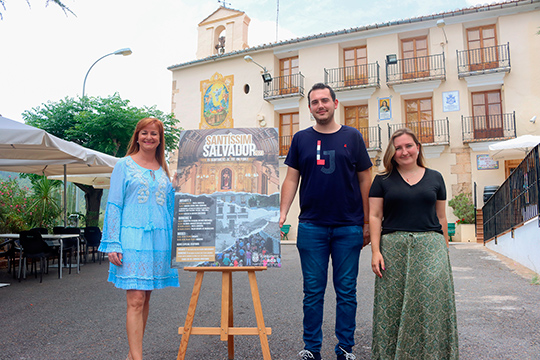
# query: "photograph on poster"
x,y
227,199
385,111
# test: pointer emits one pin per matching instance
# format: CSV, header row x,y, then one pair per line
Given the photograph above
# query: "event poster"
x,y
227,198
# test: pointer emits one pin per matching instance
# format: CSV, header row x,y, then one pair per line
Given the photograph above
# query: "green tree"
x,y
62,6
102,124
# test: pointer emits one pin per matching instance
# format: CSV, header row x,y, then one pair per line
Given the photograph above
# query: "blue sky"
x,y
44,54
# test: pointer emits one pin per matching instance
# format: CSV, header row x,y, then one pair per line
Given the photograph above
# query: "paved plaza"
x,y
82,316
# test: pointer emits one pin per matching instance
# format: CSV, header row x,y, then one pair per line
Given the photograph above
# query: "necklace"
x,y
409,176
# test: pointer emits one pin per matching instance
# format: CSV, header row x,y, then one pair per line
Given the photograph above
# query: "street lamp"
x,y
125,52
266,75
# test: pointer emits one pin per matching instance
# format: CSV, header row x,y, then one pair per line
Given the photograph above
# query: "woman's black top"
x,y
409,207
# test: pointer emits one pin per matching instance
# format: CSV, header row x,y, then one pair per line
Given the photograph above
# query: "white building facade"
x,y
461,79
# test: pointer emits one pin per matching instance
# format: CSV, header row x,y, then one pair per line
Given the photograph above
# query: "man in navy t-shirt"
x,y
333,164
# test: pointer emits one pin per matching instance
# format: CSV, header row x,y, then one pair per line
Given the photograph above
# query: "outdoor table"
x,y
52,240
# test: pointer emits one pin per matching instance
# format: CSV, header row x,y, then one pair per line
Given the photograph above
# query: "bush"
x,y
22,209
463,208
14,204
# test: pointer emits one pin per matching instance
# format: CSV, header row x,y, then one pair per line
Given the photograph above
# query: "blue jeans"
x,y
316,244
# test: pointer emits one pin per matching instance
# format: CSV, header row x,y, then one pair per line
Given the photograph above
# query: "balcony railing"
x,y
517,199
483,60
428,131
372,137
353,77
488,127
284,86
420,68
284,144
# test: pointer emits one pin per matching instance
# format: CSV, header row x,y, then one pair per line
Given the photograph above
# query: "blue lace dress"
x,y
138,223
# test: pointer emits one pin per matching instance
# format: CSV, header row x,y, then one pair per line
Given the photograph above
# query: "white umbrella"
x,y
98,181
27,149
515,148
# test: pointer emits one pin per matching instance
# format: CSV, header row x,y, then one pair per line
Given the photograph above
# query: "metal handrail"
x,y
517,199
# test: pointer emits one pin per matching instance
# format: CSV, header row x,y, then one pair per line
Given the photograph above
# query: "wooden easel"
x,y
226,331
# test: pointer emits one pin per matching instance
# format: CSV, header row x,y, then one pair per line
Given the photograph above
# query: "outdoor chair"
x,y
70,245
58,229
42,230
92,234
33,247
8,249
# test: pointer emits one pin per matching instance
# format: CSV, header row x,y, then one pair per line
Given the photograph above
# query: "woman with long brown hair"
x,y
137,229
414,312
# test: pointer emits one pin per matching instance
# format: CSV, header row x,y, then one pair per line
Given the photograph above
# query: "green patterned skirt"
x,y
414,311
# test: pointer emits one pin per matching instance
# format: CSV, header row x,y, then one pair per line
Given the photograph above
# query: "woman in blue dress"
x,y
137,229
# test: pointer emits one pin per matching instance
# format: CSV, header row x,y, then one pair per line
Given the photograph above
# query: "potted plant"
x,y
463,208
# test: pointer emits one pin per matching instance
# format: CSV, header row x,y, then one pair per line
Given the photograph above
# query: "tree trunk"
x,y
92,197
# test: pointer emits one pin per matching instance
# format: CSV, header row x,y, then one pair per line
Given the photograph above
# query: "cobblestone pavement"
x,y
82,316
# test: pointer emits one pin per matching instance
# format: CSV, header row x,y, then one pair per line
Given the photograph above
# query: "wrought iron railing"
x,y
420,68
284,144
284,86
428,131
517,199
488,127
483,60
351,77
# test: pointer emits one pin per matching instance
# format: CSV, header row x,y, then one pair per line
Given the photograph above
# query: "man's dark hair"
x,y
321,86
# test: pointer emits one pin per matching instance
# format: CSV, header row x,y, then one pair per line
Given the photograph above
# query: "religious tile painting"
x,y
216,93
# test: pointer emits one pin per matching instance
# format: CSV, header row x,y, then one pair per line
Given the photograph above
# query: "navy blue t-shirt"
x,y
329,166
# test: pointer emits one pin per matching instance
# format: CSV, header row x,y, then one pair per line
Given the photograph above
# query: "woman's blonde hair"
x,y
388,159
133,146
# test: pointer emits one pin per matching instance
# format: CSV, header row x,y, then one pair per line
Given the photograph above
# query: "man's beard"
x,y
324,121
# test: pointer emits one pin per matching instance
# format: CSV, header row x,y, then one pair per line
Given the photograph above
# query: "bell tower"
x,y
225,30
